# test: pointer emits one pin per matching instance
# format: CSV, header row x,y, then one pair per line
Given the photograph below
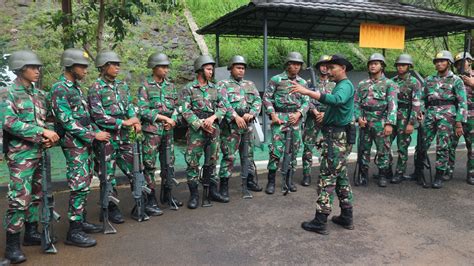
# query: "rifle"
x,y
167,173
139,187
313,77
244,172
421,159
358,178
206,172
287,170
106,191
48,214
467,47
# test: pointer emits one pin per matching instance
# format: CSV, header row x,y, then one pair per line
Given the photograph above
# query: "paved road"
x,y
401,224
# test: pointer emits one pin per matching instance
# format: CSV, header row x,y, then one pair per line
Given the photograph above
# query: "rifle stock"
x,y
244,172
139,187
206,173
287,169
105,191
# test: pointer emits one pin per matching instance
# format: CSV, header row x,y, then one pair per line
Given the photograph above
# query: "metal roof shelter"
x,y
330,20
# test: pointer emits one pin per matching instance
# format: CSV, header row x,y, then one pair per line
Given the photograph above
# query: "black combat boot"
x,y
364,176
224,189
151,205
77,237
214,194
438,181
252,185
470,179
345,219
270,189
292,187
90,228
306,180
115,215
382,182
397,178
13,250
318,224
32,237
193,201
4,262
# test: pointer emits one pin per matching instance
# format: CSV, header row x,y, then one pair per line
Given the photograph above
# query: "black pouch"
x,y
351,133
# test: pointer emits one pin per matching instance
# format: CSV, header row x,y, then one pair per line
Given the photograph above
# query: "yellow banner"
x,y
382,36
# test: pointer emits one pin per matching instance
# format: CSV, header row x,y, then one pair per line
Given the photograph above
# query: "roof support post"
x,y
265,72
308,52
217,51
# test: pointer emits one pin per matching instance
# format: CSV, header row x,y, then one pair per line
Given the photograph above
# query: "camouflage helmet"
x,y
377,57
158,59
444,55
237,59
203,60
22,58
106,56
74,56
322,59
404,59
294,57
460,56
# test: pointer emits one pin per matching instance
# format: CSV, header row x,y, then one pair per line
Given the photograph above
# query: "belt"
x,y
404,105
375,108
286,109
440,102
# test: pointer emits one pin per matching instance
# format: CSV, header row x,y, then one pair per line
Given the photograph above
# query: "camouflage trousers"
x,y
469,138
24,193
440,126
117,153
196,139
79,176
231,142
277,146
373,132
403,141
333,172
310,137
152,145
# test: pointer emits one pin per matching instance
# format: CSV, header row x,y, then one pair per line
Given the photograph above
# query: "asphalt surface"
x,y
400,224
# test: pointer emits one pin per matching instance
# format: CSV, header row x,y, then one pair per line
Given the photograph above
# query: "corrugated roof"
x,y
334,20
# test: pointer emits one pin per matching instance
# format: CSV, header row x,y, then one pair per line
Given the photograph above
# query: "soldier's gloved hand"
x,y
319,117
138,127
102,136
240,122
362,122
387,130
247,117
409,129
50,135
294,117
276,120
459,129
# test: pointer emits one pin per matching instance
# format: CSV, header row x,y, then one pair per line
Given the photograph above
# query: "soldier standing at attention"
x,y
112,111
26,136
314,118
158,104
338,137
408,110
73,122
243,104
286,111
376,112
201,106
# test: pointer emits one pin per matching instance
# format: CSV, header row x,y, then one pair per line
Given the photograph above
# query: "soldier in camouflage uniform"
x,y
25,136
314,118
3,106
201,107
73,124
243,104
467,75
158,104
376,112
445,99
112,111
286,111
408,109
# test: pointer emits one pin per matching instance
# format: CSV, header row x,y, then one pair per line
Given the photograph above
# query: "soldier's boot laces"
x,y
13,250
224,189
397,178
345,219
252,185
193,201
382,182
318,224
91,228
115,215
438,181
214,194
77,237
270,189
306,180
151,205
32,237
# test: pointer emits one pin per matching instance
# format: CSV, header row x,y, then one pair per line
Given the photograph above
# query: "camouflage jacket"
x,y
409,95
324,86
71,113
157,99
470,98
377,100
277,95
203,100
25,120
447,88
110,103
